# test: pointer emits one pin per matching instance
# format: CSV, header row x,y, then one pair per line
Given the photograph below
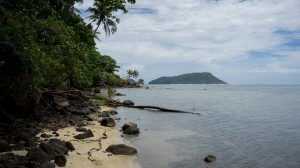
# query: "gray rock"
x,y
59,146
48,149
108,122
61,101
86,134
132,130
121,149
38,155
210,158
128,103
120,94
128,124
104,114
48,164
81,129
60,160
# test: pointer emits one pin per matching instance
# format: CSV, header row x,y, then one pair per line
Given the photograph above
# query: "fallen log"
x,y
160,109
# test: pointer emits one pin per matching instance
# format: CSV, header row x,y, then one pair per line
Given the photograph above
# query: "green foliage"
x,y
132,73
99,97
140,82
46,44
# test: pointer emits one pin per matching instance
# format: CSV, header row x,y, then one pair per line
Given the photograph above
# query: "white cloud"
x,y
216,36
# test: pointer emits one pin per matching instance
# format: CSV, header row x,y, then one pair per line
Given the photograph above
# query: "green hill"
x,y
191,78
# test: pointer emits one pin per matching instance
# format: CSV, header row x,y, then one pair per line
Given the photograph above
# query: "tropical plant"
x,y
102,13
140,82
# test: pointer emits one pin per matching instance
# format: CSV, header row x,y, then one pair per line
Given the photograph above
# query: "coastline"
x,y
91,152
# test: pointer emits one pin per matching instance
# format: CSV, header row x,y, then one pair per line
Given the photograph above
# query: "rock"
x,y
132,130
59,146
77,111
108,113
48,164
70,146
81,124
86,110
61,101
113,112
104,114
86,134
38,155
120,94
210,158
45,135
121,149
81,129
48,149
108,122
147,87
128,124
4,145
128,103
60,160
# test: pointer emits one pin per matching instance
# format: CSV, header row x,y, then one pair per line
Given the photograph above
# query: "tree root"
x,y
161,109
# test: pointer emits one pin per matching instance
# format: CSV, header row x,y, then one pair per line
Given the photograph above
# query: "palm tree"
x,y
129,73
102,14
135,73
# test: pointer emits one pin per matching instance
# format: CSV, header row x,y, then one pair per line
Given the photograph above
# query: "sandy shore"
x,y
90,152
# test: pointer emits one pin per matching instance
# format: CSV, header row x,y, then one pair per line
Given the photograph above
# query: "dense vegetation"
x,y
192,78
46,43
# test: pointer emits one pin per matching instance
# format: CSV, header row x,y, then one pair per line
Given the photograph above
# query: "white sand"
x,y
80,157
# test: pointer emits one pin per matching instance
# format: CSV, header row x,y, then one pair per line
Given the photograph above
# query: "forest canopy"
x,y
46,43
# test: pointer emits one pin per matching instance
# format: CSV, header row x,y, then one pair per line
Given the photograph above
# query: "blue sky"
x,y
241,42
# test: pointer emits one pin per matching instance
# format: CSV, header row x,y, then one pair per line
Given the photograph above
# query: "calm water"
x,y
244,126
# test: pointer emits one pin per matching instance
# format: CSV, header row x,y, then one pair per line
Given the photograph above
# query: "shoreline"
x,y
91,152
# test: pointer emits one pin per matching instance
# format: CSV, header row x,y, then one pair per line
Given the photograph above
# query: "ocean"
x,y
244,126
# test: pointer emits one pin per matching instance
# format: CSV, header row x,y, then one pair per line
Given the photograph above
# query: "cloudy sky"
x,y
239,41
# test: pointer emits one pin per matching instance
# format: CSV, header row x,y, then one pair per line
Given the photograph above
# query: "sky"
x,y
238,41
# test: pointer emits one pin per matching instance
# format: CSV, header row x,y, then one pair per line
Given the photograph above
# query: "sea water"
x,y
244,126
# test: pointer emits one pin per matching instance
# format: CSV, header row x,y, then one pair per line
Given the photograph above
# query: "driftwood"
x,y
161,109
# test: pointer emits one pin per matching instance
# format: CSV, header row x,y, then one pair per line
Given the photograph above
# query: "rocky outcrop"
x,y
121,149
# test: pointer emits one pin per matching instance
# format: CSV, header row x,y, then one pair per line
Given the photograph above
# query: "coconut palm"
x,y
102,14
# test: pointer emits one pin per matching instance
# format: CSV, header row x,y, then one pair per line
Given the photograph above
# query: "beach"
x,y
91,152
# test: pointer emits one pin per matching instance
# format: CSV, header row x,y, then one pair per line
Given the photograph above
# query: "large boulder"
x,y
128,103
108,122
128,124
38,155
60,160
130,128
59,146
48,149
121,149
87,134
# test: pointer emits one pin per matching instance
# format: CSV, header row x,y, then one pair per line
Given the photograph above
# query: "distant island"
x,y
190,78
